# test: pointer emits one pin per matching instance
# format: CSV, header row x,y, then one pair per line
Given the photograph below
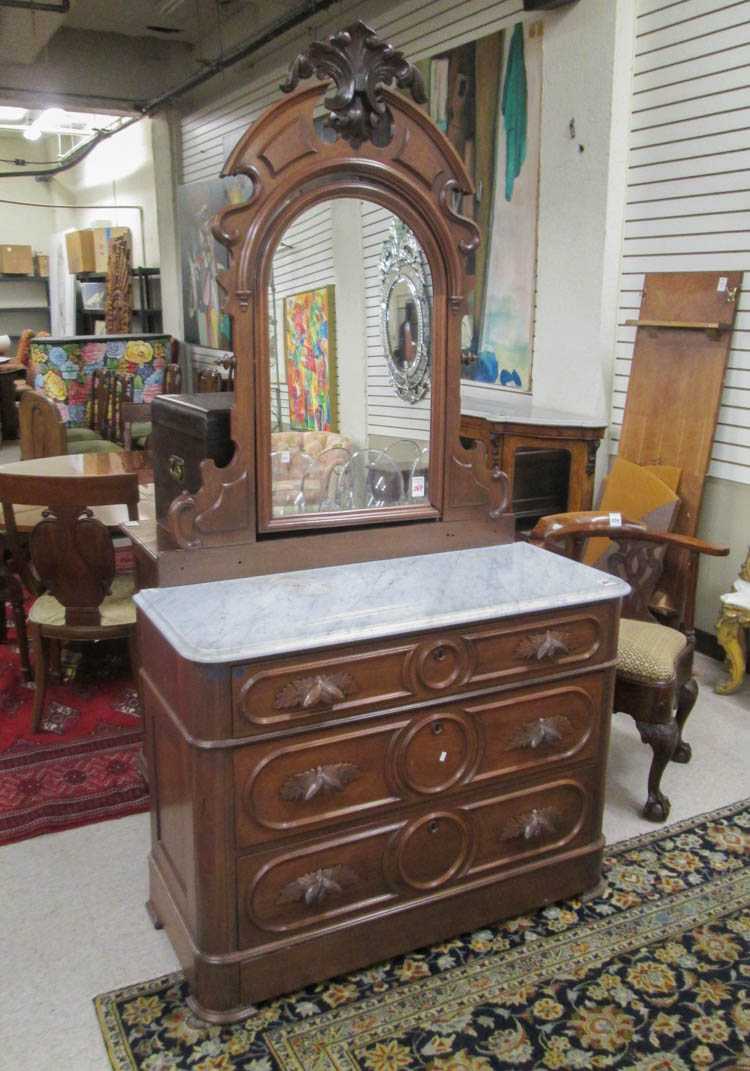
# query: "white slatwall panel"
x,y
304,261
688,195
420,27
387,414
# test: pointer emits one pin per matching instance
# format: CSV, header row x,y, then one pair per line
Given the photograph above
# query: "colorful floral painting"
x,y
310,348
62,369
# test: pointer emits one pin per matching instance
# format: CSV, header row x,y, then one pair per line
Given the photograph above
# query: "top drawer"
x,y
294,692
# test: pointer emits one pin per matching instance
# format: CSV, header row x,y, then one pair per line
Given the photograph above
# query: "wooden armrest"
x,y
580,523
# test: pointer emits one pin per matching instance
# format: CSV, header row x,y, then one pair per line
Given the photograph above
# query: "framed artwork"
x,y
486,97
202,257
310,358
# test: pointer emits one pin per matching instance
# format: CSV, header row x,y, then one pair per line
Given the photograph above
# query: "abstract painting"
x,y
310,351
203,257
504,354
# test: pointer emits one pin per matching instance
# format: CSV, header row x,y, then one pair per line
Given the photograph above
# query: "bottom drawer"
x,y
411,856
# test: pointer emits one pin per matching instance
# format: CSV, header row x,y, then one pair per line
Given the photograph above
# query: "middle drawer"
x,y
339,774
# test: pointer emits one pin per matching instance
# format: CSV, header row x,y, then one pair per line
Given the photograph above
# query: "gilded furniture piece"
x,y
352,762
655,683
507,430
72,554
734,618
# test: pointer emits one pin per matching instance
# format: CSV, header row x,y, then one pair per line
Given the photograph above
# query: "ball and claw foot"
x,y
657,808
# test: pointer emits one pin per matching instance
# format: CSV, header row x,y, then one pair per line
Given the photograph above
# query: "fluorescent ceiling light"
x,y
12,115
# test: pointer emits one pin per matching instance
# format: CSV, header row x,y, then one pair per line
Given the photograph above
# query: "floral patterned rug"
x,y
85,766
654,975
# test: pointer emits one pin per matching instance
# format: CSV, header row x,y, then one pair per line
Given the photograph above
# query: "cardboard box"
x,y
41,265
102,239
16,260
80,249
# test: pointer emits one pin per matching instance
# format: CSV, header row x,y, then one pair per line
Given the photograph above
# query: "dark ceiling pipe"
x,y
61,8
276,29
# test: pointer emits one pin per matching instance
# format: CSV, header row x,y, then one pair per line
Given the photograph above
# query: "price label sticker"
x,y
722,287
417,486
130,524
615,520
443,756
286,457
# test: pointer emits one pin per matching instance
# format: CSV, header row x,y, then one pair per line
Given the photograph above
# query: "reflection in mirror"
x,y
349,344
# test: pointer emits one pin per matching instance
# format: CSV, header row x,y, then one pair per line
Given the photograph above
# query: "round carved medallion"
x,y
440,664
432,850
435,752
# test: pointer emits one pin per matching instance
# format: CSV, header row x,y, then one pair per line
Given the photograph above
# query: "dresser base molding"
x,y
226,988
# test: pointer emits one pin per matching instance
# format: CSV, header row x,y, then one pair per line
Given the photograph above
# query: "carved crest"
x,y
323,690
328,779
359,64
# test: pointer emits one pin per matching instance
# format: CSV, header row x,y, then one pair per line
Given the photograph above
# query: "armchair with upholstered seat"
x,y
654,683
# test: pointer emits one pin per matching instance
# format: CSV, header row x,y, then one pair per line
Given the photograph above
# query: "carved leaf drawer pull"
x,y
322,690
307,785
313,888
544,732
535,825
541,645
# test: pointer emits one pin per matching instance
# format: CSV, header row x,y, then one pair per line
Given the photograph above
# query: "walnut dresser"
x,y
350,762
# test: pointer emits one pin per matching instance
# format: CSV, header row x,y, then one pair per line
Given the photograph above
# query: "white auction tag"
x,y
286,457
417,486
615,520
443,756
721,288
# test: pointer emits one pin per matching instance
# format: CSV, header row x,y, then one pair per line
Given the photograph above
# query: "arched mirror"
x,y
346,287
350,342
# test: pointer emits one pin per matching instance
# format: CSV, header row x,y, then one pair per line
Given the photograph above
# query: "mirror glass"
x,y
350,300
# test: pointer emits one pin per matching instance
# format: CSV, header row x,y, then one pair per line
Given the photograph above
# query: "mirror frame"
x,y
378,145
401,258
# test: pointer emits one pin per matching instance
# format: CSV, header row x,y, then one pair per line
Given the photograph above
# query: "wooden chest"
x,y
186,429
331,791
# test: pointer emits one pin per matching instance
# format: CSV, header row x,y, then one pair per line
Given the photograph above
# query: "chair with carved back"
x,y
654,683
72,555
43,432
134,418
208,381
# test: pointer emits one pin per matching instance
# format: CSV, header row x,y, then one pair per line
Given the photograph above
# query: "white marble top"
x,y
239,620
521,409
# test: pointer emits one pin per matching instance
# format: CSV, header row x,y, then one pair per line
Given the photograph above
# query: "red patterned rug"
x,y
85,766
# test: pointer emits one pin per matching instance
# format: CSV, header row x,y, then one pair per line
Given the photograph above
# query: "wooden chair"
x,y
134,418
11,592
655,683
43,433
73,556
208,381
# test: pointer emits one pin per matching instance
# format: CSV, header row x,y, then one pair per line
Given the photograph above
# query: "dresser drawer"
x,y
347,680
412,856
341,774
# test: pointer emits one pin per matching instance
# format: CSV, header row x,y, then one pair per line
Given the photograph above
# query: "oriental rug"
x,y
653,975
85,766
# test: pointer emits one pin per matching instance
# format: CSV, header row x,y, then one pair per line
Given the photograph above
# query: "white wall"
x,y
22,224
116,174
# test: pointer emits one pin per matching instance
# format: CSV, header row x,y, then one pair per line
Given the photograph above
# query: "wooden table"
x,y
8,412
89,465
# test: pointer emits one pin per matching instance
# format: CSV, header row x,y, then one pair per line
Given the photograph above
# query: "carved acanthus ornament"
x,y
322,690
326,779
319,885
536,825
359,64
543,645
544,732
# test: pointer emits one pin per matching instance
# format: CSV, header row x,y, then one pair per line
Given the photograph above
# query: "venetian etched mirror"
x,y
350,406
406,300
